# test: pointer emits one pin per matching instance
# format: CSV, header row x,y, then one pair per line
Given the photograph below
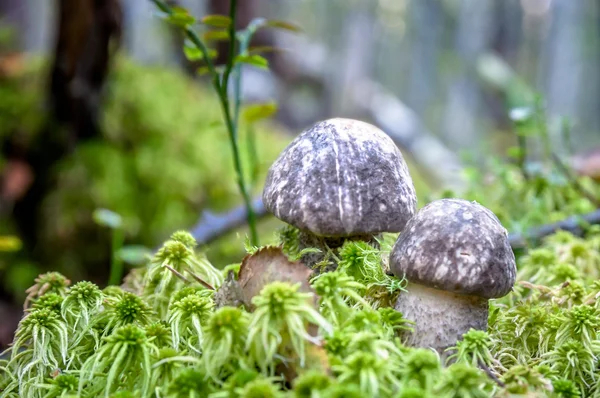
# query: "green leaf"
x,y
203,70
134,254
215,35
107,218
514,152
284,26
255,60
10,243
218,21
255,112
180,17
193,53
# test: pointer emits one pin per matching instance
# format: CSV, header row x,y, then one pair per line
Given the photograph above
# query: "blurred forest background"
x,y
100,109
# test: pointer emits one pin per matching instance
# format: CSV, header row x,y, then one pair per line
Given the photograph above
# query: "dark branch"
x,y
212,226
575,225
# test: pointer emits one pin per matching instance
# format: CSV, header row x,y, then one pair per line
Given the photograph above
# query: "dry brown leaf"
x,y
267,265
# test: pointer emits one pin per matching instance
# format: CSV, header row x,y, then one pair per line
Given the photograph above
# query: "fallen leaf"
x,y
267,265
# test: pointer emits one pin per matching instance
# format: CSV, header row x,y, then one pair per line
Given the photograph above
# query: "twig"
x,y
221,85
177,273
200,281
490,374
573,224
212,226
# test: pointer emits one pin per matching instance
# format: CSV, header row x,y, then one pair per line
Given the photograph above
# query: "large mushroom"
x,y
340,180
455,256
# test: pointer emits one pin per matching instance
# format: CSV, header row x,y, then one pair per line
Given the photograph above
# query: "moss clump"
x,y
163,159
543,339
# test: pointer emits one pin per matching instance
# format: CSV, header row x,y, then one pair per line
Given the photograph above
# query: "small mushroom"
x,y
455,256
339,180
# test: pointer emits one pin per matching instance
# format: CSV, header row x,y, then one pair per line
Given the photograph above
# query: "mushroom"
x,y
339,180
456,256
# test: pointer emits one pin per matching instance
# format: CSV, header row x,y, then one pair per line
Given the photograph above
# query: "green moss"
x,y
163,159
542,339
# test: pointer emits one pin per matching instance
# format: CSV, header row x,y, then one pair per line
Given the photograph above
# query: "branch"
x,y
212,226
574,224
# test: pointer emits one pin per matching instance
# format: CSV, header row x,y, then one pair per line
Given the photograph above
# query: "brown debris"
x,y
267,265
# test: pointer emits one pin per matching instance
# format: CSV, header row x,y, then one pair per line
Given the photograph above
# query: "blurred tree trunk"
x,y
506,36
86,31
563,64
427,26
464,112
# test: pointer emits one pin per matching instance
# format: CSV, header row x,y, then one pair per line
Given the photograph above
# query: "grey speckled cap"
x,y
456,246
341,177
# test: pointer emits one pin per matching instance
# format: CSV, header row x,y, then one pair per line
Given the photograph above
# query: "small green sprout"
x,y
83,301
581,323
473,349
337,291
51,282
374,375
167,363
463,381
159,334
413,392
394,322
61,385
260,388
337,343
288,237
343,390
236,382
126,309
573,361
224,339
126,354
186,317
564,388
44,338
281,310
421,369
51,301
175,265
363,263
365,320
186,238
522,379
189,383
312,384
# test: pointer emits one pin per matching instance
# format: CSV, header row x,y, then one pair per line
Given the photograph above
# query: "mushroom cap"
x,y
457,246
341,177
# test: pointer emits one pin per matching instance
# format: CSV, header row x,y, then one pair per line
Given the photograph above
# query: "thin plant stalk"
x,y
231,122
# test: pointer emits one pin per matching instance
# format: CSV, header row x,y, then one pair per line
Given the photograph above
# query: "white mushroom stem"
x,y
441,318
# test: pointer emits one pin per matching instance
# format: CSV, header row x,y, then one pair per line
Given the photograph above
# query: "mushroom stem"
x,y
441,318
310,240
